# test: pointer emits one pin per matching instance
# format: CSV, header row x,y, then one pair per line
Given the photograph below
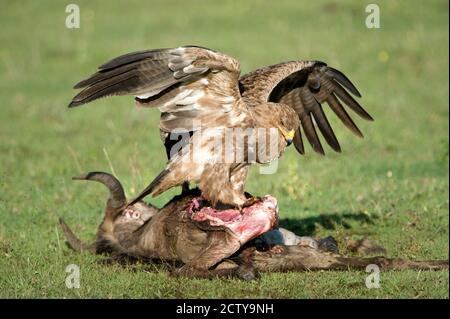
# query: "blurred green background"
x,y
391,186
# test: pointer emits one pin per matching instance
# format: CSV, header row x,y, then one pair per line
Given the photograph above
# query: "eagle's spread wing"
x,y
186,83
305,85
190,84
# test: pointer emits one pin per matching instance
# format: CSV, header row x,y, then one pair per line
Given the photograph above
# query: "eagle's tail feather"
x,y
154,187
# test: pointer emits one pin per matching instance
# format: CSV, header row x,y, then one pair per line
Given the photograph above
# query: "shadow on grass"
x,y
308,226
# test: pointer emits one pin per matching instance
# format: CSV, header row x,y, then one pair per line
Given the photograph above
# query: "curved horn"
x,y
117,197
73,240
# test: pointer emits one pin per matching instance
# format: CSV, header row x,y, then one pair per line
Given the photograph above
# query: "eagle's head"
x,y
281,116
289,122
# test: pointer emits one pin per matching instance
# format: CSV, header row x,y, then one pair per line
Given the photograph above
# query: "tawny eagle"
x,y
201,91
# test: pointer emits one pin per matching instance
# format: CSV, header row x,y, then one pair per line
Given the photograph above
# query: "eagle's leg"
x,y
221,191
251,200
232,200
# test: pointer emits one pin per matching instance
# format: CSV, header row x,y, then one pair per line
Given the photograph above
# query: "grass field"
x,y
392,185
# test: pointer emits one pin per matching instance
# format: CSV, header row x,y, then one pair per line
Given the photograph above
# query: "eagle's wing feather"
x,y
186,83
305,85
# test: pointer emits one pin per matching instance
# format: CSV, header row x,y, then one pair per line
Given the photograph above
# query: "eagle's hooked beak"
x,y
288,135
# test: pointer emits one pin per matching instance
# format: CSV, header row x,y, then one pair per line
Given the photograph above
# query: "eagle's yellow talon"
x,y
250,201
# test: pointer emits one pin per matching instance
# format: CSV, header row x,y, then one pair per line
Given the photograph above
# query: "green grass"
x,y
392,186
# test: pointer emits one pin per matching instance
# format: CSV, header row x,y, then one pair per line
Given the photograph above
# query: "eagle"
x,y
202,98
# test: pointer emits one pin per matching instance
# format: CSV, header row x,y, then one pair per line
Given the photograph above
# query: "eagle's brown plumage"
x,y
199,91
